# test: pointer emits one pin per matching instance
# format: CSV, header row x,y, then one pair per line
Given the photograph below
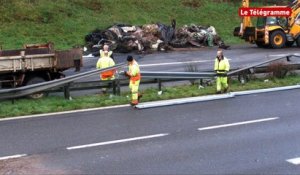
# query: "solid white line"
x,y
142,104
13,157
64,112
295,161
236,124
276,89
116,141
174,63
278,55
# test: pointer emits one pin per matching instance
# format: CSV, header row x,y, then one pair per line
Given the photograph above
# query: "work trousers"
x,y
221,83
134,87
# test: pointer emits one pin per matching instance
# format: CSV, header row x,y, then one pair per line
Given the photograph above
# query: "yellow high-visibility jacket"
x,y
222,66
134,71
102,53
104,62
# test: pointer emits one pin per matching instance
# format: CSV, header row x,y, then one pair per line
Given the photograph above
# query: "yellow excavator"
x,y
272,32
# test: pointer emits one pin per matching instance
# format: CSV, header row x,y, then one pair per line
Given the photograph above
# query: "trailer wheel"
x,y
35,80
277,39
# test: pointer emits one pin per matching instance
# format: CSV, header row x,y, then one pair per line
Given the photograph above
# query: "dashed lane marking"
x,y
295,161
117,141
236,124
13,157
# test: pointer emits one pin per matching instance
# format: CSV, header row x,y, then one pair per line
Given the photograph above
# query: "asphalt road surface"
x,y
254,134
203,59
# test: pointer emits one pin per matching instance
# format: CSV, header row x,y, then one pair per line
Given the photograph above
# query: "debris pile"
x,y
126,38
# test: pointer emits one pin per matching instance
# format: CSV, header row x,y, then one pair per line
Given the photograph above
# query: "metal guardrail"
x,y
27,90
148,77
288,56
152,78
177,75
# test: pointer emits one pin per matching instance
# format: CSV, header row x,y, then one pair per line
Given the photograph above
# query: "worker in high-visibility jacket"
x,y
106,48
221,67
135,78
104,62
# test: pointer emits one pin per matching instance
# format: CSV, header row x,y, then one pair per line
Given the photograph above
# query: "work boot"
x,y
133,104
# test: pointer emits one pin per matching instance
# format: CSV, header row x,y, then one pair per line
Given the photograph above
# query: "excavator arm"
x,y
294,21
246,20
245,30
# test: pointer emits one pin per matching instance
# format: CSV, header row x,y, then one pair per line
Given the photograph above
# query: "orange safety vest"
x,y
108,74
105,62
136,78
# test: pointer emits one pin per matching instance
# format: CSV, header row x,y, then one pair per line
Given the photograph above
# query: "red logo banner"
x,y
265,11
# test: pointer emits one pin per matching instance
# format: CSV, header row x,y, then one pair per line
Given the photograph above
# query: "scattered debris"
x,y
126,38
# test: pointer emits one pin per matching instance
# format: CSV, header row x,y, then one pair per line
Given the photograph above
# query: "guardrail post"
x,y
114,87
118,87
159,84
67,91
201,81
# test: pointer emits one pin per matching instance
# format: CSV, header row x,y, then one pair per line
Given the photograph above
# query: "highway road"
x,y
240,55
203,59
253,134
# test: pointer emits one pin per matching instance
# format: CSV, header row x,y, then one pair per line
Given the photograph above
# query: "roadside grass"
x,y
66,22
57,104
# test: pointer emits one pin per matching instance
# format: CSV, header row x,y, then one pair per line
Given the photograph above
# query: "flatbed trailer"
x,y
35,63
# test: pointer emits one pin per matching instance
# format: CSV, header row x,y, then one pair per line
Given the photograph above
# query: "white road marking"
x,y
117,141
295,161
88,56
13,157
64,112
236,124
279,55
174,63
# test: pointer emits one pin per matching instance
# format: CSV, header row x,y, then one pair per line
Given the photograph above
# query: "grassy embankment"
x,y
55,104
66,22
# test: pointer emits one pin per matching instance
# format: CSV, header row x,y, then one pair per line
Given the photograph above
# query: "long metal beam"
x,y
27,90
